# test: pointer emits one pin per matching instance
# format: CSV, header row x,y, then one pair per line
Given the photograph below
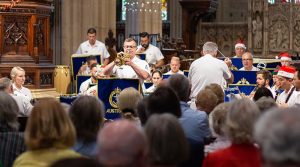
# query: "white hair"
x,y
210,47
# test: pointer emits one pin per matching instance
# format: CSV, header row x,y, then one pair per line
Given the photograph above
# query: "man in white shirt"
x,y
208,69
175,65
285,78
93,46
89,86
133,68
153,54
295,97
247,60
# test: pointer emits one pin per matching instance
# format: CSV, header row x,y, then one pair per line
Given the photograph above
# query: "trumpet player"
x,y
133,67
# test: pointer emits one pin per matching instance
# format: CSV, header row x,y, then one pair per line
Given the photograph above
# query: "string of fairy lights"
x,y
147,6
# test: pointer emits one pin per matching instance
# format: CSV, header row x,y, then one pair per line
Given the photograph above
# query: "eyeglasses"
x,y
247,59
129,46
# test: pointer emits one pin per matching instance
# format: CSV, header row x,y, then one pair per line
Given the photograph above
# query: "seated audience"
x,y
206,100
127,102
87,115
17,75
11,141
217,89
49,134
122,143
156,80
24,105
277,133
175,66
217,120
247,60
167,143
141,110
239,126
262,92
265,103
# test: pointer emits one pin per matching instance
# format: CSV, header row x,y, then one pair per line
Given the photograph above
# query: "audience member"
x,y
17,75
49,135
277,133
262,92
93,46
141,110
217,89
206,100
265,103
122,143
87,115
156,80
247,60
239,126
127,102
175,66
11,141
167,143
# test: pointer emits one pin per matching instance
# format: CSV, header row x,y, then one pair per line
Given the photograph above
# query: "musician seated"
x,y
85,69
263,79
239,49
175,65
156,80
285,59
133,67
89,87
247,60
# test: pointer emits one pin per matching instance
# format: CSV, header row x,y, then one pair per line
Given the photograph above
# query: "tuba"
x,y
120,59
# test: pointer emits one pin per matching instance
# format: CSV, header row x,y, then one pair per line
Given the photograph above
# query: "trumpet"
x,y
120,59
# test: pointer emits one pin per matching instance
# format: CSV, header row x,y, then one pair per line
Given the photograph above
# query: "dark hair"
x,y
91,31
141,110
144,34
180,85
166,139
298,74
267,75
163,100
87,115
157,71
91,57
262,92
94,65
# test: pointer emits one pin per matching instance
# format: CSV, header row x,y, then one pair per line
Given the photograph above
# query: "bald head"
x,y
121,143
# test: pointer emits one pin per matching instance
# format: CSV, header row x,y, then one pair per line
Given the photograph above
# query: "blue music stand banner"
x,y
142,56
186,73
244,77
148,84
79,80
109,89
166,76
237,62
68,99
235,89
79,59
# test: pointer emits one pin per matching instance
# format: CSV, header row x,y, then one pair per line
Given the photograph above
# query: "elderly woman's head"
x,y
240,121
217,118
17,75
127,102
49,126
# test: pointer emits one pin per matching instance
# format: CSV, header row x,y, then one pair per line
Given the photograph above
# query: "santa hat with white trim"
x,y
287,71
240,44
284,56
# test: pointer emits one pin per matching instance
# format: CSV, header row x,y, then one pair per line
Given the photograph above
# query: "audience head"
x,y
262,92
263,78
240,120
87,115
210,48
91,35
163,100
265,103
206,100
247,60
180,85
17,75
157,77
217,89
122,143
166,139
277,132
145,40
175,64
6,85
141,110
49,126
217,118
127,102
8,113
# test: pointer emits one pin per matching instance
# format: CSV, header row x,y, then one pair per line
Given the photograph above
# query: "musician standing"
x,y
93,46
133,67
208,69
153,54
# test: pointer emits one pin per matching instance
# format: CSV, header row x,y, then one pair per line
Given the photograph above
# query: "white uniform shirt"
x,y
153,54
86,88
207,70
126,71
253,69
171,73
294,99
97,48
23,92
282,97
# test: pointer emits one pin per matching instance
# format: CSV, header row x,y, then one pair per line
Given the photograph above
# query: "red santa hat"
x,y
287,71
240,44
284,56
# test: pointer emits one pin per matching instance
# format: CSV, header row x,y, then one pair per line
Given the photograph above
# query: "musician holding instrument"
x,y
285,80
127,65
89,87
263,79
175,65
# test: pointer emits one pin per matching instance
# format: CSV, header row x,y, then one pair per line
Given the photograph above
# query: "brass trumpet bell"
x,y
120,59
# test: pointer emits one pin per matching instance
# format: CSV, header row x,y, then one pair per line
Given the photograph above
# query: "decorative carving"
x,y
257,27
46,78
279,34
39,35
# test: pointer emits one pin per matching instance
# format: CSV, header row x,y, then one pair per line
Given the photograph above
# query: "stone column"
x,y
175,19
78,16
143,15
